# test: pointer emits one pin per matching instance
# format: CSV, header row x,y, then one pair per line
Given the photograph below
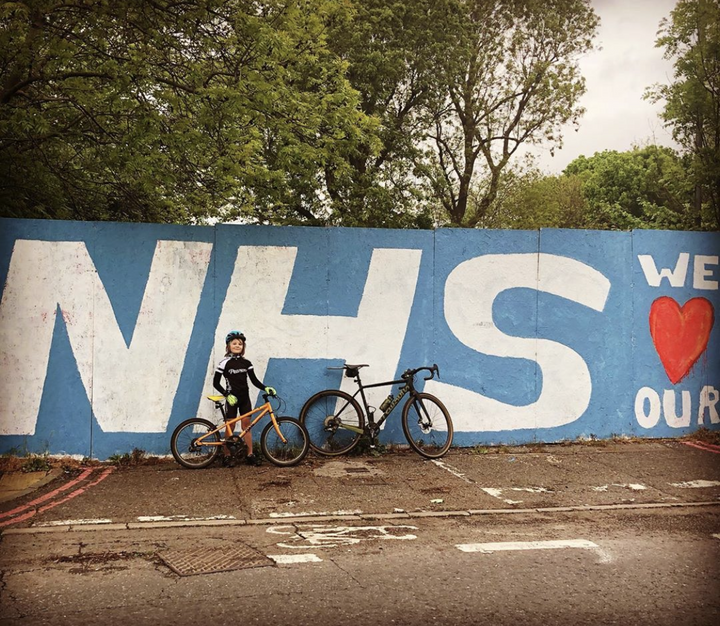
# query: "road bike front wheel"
x,y
427,425
334,421
184,446
292,450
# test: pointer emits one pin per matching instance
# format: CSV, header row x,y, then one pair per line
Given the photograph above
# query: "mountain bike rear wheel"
x,y
290,452
427,425
185,449
329,416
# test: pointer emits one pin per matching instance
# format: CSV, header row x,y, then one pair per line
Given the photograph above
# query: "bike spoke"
x,y
427,426
327,416
294,447
185,447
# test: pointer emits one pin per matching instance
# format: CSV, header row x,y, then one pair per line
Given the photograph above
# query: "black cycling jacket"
x,y
236,370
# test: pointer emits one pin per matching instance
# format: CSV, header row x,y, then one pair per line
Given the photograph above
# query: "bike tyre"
x,y
313,416
285,455
182,438
434,449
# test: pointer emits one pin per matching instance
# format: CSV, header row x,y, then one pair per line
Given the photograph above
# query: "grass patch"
x,y
129,459
36,463
31,462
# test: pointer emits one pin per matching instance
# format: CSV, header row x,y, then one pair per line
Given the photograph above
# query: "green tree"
x,y
692,101
511,78
527,200
392,49
170,111
641,188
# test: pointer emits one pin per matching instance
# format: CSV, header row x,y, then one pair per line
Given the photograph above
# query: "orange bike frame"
x,y
263,410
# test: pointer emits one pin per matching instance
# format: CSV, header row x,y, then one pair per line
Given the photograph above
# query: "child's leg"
x,y
230,413
244,406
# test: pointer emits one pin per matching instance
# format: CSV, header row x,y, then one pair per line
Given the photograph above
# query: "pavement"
x,y
539,479
14,485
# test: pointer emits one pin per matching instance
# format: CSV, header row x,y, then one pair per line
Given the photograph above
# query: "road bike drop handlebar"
x,y
433,371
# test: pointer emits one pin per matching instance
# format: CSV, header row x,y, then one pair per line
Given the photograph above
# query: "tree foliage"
x,y
382,113
392,49
511,78
692,101
156,110
640,188
527,200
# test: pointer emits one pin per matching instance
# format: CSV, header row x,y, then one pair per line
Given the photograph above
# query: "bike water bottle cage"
x,y
234,334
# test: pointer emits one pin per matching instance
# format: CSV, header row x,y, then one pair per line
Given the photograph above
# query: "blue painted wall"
x,y
109,333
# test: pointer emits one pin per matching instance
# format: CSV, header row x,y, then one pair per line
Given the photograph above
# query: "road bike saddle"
x,y
350,370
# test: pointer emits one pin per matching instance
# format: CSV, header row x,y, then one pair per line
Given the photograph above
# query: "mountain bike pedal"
x,y
236,446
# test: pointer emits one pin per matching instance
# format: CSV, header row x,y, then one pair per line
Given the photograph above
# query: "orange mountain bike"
x,y
196,442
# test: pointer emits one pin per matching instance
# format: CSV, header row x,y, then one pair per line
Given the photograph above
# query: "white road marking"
x,y
453,470
75,522
631,486
181,518
288,559
316,513
489,548
333,536
497,493
696,484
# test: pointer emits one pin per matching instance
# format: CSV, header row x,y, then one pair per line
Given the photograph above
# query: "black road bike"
x,y
335,420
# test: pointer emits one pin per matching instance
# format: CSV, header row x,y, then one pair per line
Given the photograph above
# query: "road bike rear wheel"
x,y
290,452
427,425
185,449
326,416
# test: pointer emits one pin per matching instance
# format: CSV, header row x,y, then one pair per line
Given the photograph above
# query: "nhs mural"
x,y
109,333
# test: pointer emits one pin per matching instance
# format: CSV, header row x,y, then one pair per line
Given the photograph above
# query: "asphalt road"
x,y
659,566
618,533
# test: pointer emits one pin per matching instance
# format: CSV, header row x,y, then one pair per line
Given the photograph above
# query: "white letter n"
x,y
119,379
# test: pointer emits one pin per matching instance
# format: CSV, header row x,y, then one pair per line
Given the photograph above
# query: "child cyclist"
x,y
236,369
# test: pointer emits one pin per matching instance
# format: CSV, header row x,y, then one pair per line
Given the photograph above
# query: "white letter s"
x,y
471,290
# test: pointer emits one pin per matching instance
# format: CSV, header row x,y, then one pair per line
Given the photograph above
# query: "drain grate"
x,y
204,561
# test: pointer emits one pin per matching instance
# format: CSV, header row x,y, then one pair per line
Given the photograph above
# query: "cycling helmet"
x,y
234,334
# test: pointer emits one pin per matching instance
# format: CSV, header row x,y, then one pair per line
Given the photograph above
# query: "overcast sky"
x,y
617,75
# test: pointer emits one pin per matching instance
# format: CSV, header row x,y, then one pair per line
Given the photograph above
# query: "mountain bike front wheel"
x,y
184,446
427,425
334,421
292,450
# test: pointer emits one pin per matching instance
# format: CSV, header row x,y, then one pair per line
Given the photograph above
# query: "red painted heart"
x,y
680,334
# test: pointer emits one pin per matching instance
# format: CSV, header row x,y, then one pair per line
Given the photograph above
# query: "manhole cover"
x,y
205,561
